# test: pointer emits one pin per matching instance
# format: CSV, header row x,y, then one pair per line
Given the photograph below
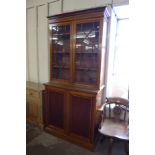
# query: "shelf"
x,y
92,42
64,67
95,40
87,69
60,52
82,31
75,53
86,52
87,81
58,34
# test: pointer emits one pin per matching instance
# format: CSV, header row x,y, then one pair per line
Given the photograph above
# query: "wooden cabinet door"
x,y
81,111
60,51
87,51
54,108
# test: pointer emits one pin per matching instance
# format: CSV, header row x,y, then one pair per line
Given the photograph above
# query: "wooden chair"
x,y
115,121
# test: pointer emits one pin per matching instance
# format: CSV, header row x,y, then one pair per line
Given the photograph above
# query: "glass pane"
x,y
86,52
60,41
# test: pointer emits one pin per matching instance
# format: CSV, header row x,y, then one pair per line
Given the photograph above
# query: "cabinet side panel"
x,y
81,115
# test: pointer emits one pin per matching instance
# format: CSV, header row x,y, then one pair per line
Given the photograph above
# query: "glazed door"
x,y
60,51
86,51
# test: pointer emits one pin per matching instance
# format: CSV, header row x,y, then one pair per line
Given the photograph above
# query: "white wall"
x,y
42,44
37,31
31,44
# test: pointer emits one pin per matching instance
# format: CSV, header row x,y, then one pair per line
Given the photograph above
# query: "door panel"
x,y
55,109
80,115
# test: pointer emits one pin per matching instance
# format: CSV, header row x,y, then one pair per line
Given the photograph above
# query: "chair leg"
x,y
126,147
101,139
110,146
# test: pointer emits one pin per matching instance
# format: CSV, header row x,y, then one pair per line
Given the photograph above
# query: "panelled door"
x,y
81,111
55,108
